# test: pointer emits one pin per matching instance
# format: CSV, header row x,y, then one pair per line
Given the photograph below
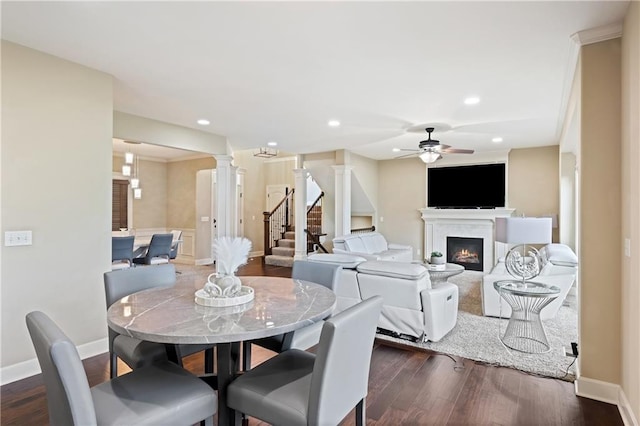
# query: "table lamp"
x,y
522,260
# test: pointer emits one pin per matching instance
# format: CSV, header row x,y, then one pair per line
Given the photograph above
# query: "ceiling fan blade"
x,y
457,151
407,155
412,150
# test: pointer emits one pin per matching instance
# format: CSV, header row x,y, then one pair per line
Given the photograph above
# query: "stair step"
x,y
276,260
287,243
290,235
283,251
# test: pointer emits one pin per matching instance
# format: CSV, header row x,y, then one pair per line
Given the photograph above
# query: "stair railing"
x,y
314,225
277,221
363,230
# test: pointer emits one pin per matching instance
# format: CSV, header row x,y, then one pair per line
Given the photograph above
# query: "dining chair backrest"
x,y
326,274
68,393
122,249
159,250
118,284
341,370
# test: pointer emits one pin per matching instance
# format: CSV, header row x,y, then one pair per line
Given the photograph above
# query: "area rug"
x,y
475,336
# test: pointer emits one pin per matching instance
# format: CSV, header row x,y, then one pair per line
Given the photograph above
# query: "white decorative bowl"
x,y
245,295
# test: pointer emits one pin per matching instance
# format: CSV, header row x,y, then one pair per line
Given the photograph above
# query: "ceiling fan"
x,y
431,150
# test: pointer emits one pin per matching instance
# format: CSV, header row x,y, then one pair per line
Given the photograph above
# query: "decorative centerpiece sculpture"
x,y
223,287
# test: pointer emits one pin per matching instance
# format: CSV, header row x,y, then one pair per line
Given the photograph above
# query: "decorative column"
x,y
225,199
343,199
300,182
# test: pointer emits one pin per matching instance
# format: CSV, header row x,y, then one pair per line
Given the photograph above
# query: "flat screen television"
x,y
467,187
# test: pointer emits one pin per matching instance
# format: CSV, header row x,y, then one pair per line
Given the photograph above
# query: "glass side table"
x,y
525,332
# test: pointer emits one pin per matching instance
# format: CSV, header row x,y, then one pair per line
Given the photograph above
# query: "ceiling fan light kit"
x,y
431,150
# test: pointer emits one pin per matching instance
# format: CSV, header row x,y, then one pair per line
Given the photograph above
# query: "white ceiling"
x,y
278,71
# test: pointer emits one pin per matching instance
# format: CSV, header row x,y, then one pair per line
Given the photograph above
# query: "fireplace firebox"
x,y
467,252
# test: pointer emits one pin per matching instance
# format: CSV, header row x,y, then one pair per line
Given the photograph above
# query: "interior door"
x,y
275,194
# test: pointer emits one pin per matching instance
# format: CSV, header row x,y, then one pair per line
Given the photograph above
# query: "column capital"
x,y
343,168
301,172
223,159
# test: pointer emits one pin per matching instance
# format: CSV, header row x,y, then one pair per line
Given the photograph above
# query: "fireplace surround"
x,y
464,223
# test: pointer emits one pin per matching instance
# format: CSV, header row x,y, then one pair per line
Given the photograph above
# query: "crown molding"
x,y
595,35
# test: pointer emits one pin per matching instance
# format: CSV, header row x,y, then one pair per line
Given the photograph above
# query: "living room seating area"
x,y
372,246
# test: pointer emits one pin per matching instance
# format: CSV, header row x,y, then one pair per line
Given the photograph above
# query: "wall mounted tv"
x,y
467,187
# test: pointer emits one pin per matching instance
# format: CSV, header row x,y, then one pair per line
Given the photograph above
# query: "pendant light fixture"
x,y
131,167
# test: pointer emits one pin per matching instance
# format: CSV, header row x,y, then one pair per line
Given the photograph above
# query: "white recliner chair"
x,y
411,307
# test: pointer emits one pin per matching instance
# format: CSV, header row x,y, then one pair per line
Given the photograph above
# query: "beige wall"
x,y
168,192
630,333
534,182
402,185
599,209
181,191
254,197
55,181
365,170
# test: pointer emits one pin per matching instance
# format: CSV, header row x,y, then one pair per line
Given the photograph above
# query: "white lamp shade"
x,y
135,182
523,230
126,170
128,157
430,156
137,193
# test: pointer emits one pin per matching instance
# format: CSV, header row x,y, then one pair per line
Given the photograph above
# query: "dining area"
x,y
154,318
129,249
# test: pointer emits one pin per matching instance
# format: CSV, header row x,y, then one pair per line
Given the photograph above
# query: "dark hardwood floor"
x,y
406,386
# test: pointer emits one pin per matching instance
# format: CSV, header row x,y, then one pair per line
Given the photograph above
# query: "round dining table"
x,y
171,315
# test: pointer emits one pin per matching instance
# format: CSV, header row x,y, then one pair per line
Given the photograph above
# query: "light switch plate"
x,y
17,238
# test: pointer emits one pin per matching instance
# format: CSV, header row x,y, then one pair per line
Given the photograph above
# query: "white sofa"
x,y
372,246
559,267
411,307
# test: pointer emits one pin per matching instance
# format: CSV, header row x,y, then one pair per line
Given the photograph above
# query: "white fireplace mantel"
x,y
467,223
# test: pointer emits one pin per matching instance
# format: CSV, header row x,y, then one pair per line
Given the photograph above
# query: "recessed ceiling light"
x,y
333,123
472,100
272,143
496,140
396,150
203,122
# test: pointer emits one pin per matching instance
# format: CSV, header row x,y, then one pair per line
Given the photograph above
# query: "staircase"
x,y
282,250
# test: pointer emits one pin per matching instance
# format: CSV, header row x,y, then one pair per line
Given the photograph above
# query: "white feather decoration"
x,y
230,253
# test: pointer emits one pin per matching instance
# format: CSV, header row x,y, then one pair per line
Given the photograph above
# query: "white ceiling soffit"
x,y
278,71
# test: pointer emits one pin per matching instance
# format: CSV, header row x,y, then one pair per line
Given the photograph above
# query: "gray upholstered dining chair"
x,y
326,274
299,388
159,250
122,252
134,352
158,394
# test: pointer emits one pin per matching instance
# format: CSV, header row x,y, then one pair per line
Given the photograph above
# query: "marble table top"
x,y
170,315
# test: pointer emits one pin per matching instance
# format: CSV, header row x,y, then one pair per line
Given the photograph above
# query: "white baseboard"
x,y
256,254
31,367
609,393
597,389
208,261
628,418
